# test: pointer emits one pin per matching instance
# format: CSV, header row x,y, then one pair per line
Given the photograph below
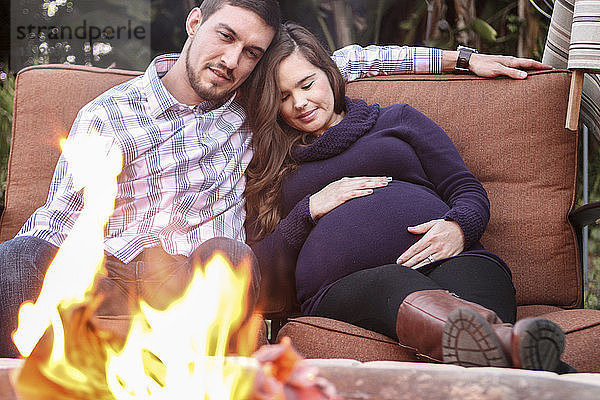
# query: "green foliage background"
x,y
495,28
7,89
592,289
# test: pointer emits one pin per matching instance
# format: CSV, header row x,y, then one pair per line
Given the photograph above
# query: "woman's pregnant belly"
x,y
364,232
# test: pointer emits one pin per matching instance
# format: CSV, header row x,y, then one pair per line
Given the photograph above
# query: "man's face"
x,y
224,50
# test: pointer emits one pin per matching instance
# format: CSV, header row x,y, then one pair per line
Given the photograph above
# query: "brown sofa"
x,y
510,133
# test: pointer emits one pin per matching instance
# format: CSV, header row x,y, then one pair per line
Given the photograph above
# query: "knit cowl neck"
x,y
360,118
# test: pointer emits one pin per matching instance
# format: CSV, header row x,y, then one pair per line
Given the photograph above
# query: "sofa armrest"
x,y
585,215
580,218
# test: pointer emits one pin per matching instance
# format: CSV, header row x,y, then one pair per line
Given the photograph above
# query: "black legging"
x,y
370,298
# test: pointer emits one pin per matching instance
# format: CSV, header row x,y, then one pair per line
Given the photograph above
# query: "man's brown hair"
x,y
268,10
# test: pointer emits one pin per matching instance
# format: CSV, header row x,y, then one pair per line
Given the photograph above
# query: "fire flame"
x,y
174,353
94,166
166,363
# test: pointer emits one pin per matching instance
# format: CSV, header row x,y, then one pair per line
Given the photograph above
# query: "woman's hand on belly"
x,y
441,239
340,191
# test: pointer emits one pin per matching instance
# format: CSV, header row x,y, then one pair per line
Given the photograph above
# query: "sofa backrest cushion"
x,y
47,100
510,133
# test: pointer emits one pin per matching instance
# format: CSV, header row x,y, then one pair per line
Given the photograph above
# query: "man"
x,y
185,148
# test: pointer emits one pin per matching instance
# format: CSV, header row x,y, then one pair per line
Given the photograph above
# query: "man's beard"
x,y
208,94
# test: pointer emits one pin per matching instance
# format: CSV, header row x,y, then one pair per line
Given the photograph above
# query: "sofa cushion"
x,y
47,99
582,328
316,337
535,310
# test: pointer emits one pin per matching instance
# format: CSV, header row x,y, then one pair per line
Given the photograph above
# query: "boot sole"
x,y
469,340
540,345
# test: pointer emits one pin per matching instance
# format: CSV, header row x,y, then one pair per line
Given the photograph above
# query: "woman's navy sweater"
x,y
430,180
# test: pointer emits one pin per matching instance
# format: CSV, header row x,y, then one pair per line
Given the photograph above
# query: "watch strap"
x,y
464,56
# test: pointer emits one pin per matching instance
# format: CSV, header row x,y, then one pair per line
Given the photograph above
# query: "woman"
x,y
379,216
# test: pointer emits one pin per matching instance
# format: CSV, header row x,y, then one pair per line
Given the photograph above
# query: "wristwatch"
x,y
464,55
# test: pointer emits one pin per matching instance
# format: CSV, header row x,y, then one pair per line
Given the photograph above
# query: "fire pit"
x,y
387,380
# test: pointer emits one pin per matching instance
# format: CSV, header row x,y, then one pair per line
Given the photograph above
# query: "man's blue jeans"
x,y
23,264
154,276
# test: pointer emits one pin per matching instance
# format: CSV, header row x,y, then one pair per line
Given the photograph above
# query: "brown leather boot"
x,y
532,343
422,316
443,327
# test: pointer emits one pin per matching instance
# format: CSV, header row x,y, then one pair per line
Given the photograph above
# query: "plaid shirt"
x,y
183,166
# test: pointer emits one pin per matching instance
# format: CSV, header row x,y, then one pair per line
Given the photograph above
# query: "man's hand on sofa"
x,y
490,66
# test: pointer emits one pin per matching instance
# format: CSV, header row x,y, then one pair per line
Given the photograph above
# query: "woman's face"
x,y
307,102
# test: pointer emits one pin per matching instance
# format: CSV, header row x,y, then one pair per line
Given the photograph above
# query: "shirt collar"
x,y
160,99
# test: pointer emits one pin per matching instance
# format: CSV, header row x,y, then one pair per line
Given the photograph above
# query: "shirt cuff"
x,y
427,60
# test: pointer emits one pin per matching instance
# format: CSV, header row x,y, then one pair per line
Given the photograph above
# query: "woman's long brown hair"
x,y
273,139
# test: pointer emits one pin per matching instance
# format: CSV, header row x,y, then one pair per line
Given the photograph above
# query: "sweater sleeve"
x,y
278,251
447,172
296,226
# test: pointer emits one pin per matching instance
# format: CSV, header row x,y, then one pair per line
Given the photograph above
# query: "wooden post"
x,y
574,100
